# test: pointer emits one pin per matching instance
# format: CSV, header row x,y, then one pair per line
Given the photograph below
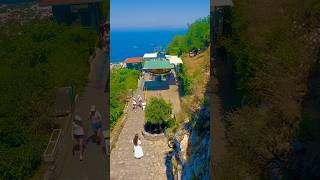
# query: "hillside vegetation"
x,y
121,80
196,108
194,79
197,37
274,48
35,58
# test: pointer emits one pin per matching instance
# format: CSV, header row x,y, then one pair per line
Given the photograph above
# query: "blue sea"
x,y
126,43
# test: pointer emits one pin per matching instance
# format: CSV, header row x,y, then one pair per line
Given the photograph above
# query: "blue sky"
x,y
156,13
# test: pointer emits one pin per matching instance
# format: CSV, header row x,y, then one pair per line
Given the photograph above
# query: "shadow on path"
x,y
169,165
94,164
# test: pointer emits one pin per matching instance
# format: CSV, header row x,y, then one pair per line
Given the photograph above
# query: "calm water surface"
x,y
126,43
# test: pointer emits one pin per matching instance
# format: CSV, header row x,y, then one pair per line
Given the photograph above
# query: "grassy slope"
x,y
197,68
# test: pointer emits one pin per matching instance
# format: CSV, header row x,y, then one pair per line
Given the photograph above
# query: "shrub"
x,y
186,81
158,111
171,122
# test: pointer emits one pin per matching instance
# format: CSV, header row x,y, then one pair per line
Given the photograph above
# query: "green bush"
x,y
121,80
186,81
171,123
158,111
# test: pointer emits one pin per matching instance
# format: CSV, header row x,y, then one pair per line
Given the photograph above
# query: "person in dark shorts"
x,y
95,119
78,135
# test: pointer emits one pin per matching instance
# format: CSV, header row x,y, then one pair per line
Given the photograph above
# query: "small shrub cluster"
x,y
186,81
158,113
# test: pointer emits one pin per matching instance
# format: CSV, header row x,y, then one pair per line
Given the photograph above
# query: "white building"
x,y
148,56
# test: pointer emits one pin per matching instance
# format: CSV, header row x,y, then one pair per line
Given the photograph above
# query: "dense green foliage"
x,y
121,80
272,52
197,37
158,111
35,58
185,80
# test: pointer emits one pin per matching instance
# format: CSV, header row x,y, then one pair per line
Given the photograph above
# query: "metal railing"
x,y
51,149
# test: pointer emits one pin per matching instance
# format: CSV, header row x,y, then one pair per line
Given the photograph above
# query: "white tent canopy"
x,y
150,55
174,59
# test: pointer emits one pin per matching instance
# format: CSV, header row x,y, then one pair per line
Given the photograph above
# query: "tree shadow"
x,y
169,165
176,154
156,85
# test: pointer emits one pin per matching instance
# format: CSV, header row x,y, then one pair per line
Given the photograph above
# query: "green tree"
x,y
158,111
197,37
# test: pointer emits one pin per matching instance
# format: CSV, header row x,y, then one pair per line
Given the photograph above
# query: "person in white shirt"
x,y
78,135
138,152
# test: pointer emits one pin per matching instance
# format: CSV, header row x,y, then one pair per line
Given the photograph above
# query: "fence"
x,y
50,152
64,105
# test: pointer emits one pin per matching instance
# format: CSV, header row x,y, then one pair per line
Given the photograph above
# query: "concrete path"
x,y
94,164
168,90
124,166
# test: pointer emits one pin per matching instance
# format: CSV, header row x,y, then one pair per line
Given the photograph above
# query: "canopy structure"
x,y
158,66
150,55
174,59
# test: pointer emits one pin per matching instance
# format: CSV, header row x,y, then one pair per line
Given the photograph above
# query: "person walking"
x,y
78,135
140,101
134,104
95,119
137,149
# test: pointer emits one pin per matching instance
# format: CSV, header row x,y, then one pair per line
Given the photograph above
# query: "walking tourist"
x,y
95,119
143,106
140,101
138,152
134,103
78,135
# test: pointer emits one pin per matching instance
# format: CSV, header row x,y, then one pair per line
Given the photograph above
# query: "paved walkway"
x,y
123,165
94,164
170,93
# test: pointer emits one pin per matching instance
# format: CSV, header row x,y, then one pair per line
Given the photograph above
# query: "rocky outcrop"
x,y
198,161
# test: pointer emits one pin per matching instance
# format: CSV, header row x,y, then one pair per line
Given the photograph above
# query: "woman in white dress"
x,y
138,152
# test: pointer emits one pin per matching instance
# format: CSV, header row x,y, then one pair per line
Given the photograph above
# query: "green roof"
x,y
157,64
